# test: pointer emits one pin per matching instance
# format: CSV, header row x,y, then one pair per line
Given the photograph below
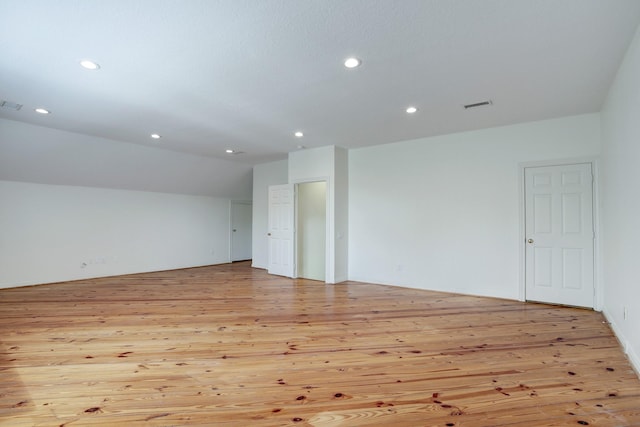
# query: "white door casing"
x,y
281,230
559,234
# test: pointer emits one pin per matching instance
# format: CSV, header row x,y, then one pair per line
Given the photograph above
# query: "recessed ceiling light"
x,y
229,151
155,136
411,110
89,65
352,62
42,111
299,134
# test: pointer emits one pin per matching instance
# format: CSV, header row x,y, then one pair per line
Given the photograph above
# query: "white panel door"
x,y
281,230
241,214
559,234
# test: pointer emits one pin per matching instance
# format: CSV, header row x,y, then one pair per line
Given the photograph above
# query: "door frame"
x,y
598,297
326,225
292,273
231,203
328,263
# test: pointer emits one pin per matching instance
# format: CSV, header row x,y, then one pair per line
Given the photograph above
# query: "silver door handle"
x,y
530,241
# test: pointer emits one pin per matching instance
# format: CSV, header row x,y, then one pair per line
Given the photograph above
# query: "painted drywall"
x,y
443,213
51,233
311,229
313,164
621,203
341,191
264,175
30,153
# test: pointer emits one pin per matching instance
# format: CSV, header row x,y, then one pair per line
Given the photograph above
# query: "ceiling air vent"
x,y
478,104
10,105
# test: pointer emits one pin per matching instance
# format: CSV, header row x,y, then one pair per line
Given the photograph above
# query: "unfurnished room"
x,y
319,213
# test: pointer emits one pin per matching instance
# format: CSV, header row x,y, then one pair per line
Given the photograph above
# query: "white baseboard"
x,y
624,342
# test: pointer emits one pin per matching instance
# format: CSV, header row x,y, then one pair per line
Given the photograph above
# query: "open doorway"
x,y
312,230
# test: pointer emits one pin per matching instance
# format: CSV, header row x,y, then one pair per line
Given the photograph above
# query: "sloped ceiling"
x,y
211,75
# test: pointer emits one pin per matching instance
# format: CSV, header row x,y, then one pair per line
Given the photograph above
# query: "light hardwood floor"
x,y
232,346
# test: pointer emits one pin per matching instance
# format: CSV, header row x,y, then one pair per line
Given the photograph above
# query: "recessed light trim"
x,y
231,152
155,136
42,111
411,110
89,65
298,134
352,62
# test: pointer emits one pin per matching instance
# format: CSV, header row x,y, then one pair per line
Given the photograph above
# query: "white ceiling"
x,y
245,74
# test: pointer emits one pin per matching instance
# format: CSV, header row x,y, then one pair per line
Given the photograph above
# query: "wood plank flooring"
x,y
232,346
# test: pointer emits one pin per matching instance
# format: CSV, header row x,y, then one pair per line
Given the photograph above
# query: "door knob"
x,y
530,241
268,234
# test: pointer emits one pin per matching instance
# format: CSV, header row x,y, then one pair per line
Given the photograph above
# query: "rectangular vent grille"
x,y
10,105
478,104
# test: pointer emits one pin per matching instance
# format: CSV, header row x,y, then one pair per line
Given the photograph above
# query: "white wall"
x,y
264,175
621,202
442,213
341,190
47,232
